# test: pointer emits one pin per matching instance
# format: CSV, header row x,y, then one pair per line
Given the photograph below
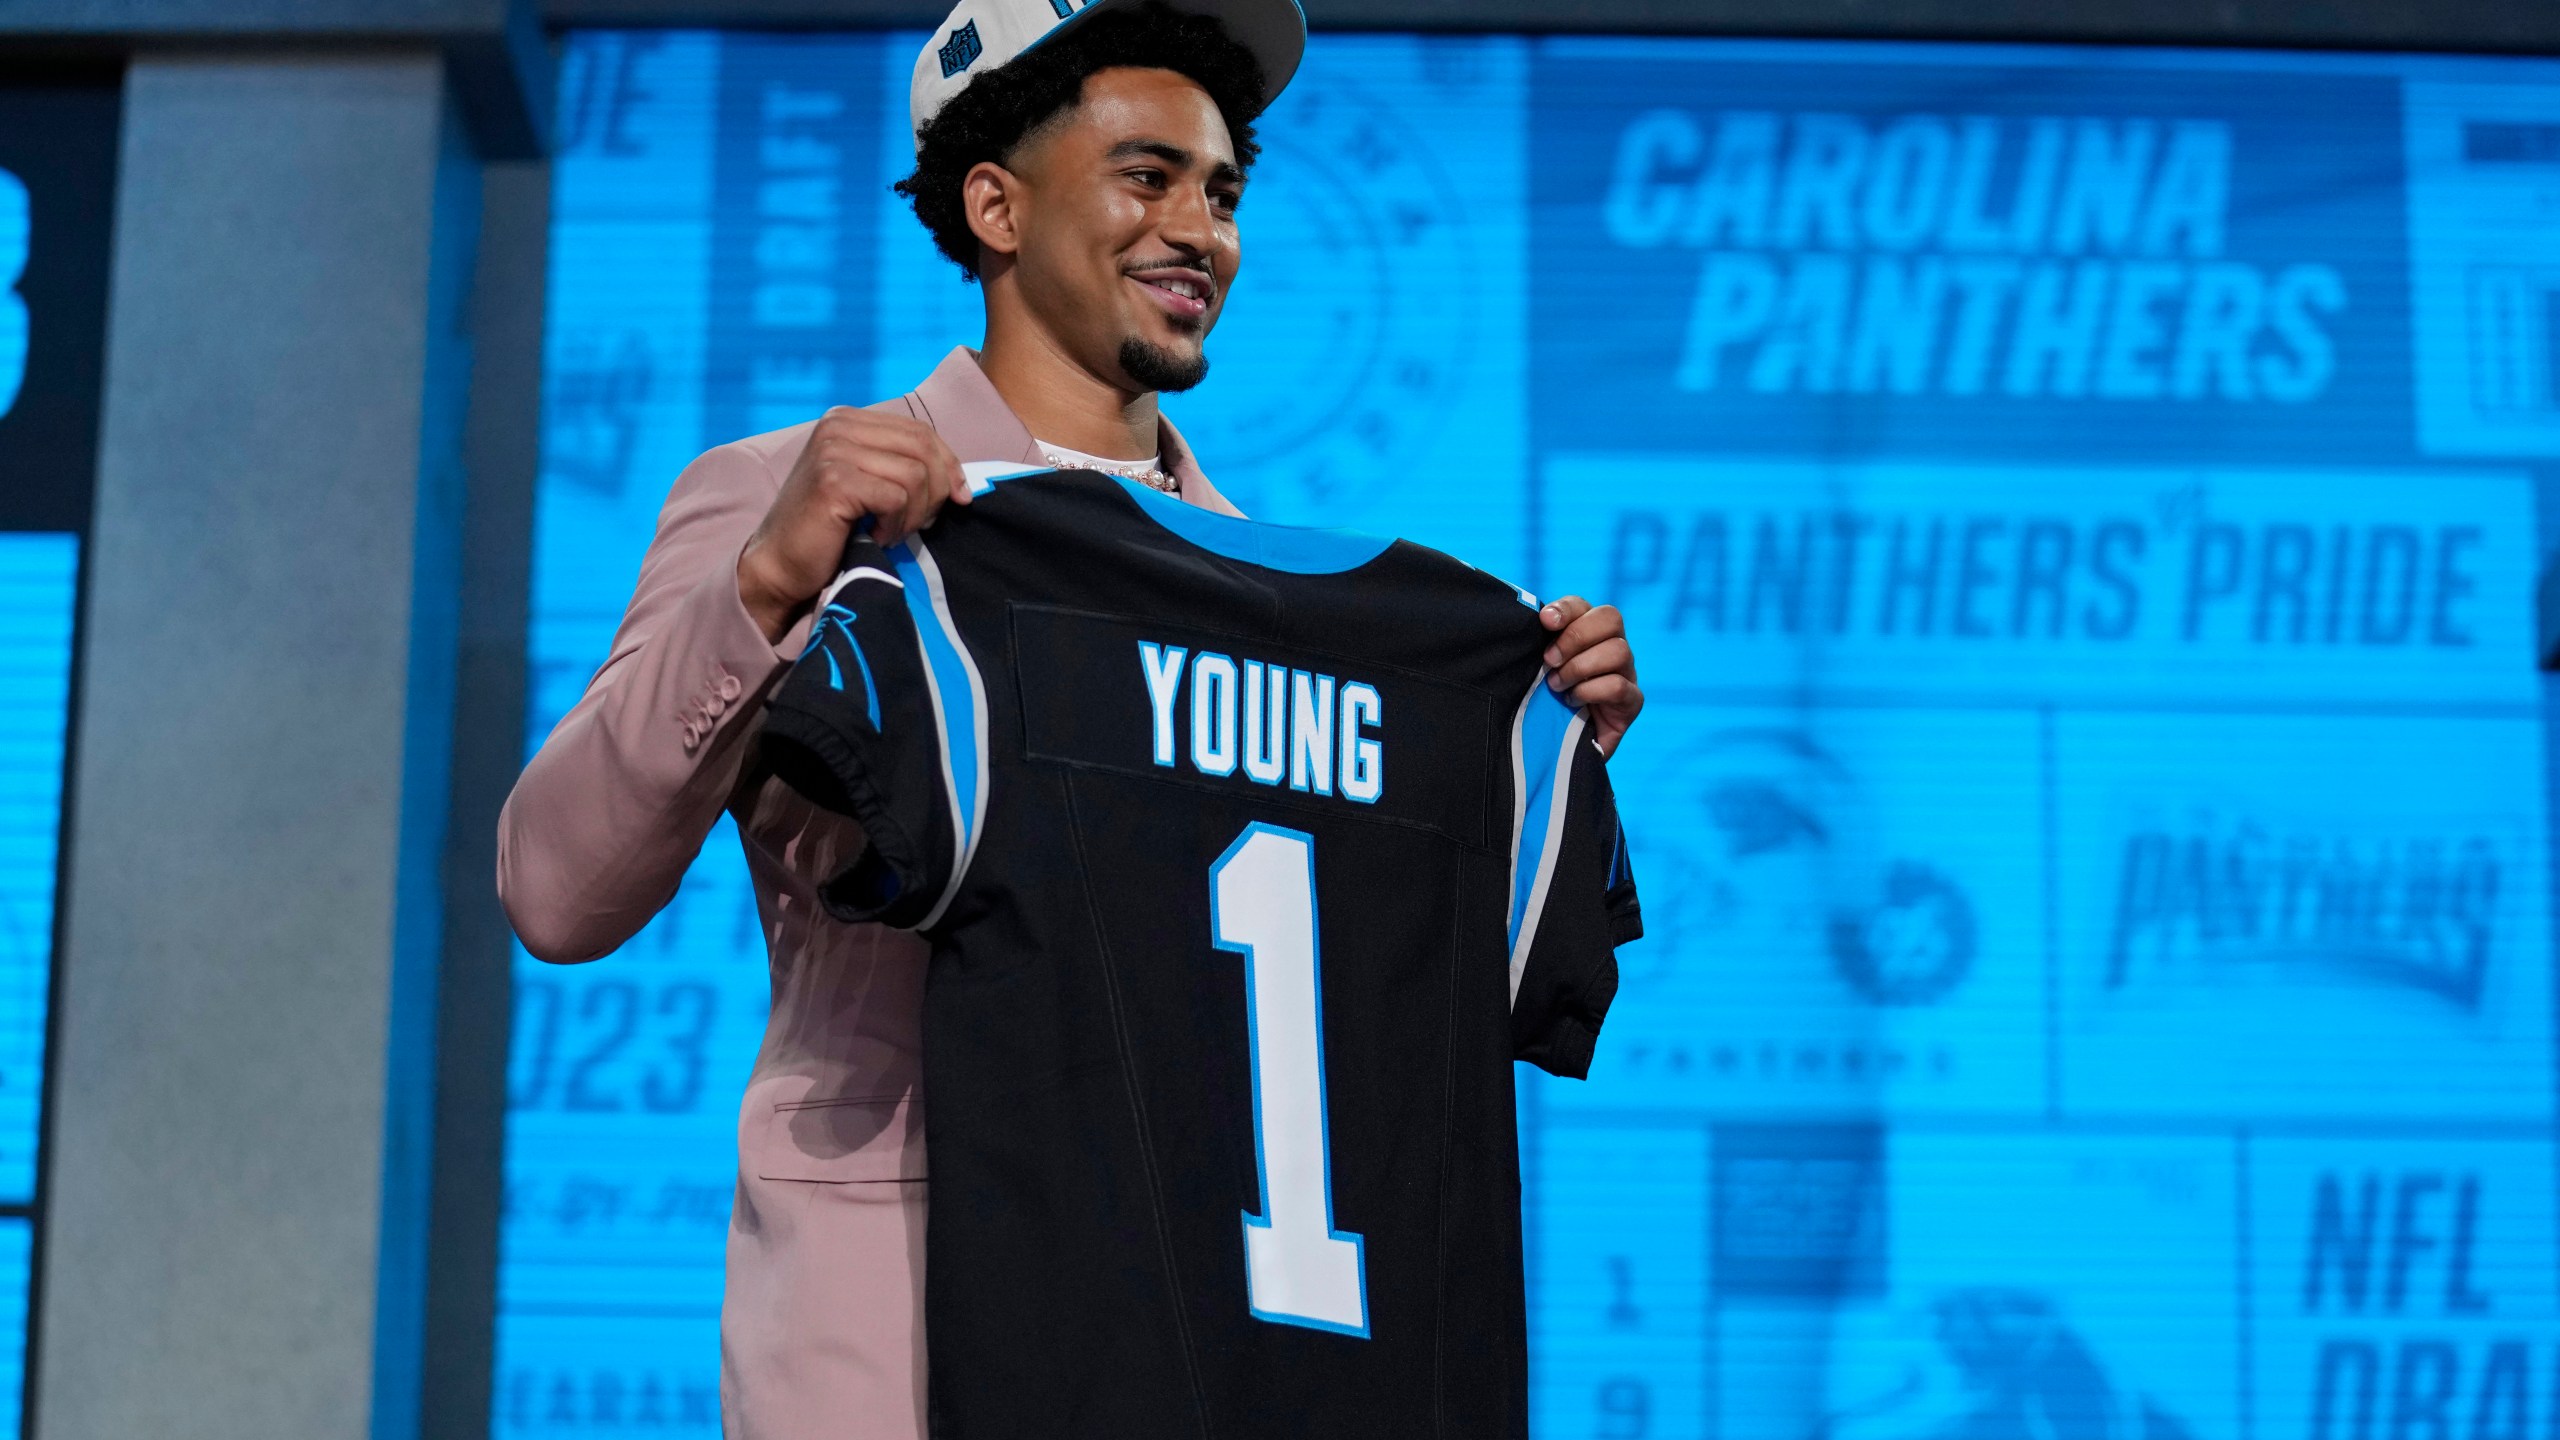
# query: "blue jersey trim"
x,y
959,706
1542,751
1297,549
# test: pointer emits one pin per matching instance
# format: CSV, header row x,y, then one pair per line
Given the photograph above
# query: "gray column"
x,y
238,1219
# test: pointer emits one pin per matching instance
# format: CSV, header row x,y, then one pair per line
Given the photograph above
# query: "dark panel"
x,y
475,989
502,83
2494,25
2549,610
58,139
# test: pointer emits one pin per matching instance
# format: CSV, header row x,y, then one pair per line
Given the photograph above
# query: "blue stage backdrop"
x,y
2077,512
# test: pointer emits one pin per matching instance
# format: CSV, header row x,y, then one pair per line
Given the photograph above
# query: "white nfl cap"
x,y
980,35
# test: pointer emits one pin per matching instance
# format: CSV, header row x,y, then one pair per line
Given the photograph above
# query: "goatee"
x,y
1156,368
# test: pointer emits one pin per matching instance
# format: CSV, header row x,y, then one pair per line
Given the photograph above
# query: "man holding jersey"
x,y
1085,170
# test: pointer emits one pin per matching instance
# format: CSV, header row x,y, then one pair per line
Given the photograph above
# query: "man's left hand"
x,y
1591,666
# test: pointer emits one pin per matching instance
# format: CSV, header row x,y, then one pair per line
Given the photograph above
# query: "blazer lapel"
x,y
962,406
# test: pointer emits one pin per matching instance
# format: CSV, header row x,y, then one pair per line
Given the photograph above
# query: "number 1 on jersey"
x,y
1298,1269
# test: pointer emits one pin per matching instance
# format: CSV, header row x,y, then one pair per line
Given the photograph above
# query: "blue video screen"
x,y
38,588
2078,514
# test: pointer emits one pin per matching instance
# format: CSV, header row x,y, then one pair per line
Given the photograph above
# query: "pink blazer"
x,y
820,1331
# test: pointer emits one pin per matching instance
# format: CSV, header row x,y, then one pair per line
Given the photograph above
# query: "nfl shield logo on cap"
x,y
961,49
981,35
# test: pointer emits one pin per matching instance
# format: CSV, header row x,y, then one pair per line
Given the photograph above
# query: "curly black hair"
x,y
992,114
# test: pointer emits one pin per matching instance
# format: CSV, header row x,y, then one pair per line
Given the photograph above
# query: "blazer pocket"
x,y
860,1138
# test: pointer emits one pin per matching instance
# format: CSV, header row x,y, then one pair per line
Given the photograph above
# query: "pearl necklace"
x,y
1149,473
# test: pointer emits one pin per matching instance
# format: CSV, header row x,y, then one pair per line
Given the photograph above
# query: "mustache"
x,y
1170,262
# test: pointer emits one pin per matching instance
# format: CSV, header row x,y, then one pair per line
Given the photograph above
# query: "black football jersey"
x,y
1251,857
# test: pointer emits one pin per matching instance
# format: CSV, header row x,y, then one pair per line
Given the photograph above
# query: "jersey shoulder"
x,y
1463,576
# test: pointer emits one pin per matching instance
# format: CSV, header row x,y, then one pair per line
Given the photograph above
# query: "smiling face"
x,y
1117,229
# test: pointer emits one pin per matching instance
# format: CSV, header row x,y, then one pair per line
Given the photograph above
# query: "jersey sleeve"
x,y
883,718
1573,889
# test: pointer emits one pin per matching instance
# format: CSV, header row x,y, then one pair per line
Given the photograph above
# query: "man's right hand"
x,y
889,467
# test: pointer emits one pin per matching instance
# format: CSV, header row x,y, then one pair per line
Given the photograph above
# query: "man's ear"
x,y
992,198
